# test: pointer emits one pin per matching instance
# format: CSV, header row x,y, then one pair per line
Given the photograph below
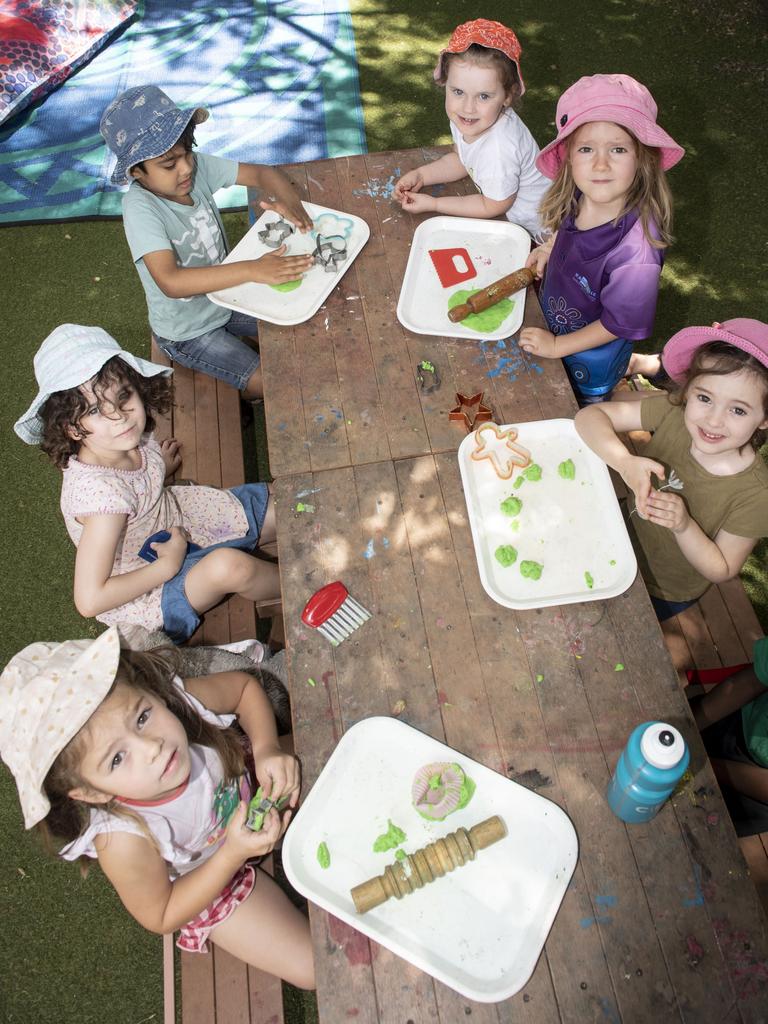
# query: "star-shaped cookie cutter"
x,y
505,466
470,410
330,252
275,233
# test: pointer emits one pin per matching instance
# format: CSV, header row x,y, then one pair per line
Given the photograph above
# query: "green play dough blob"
x,y
511,506
505,555
567,470
519,482
533,472
589,580
487,322
286,286
323,856
531,570
388,840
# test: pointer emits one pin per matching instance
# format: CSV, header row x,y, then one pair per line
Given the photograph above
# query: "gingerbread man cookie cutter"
x,y
330,252
513,456
275,233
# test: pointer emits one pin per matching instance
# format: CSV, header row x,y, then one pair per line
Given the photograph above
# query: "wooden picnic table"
x,y
661,921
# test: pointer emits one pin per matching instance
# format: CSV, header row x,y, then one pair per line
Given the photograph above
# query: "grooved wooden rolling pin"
x,y
427,864
492,294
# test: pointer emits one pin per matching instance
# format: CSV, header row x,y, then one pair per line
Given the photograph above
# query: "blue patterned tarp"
x,y
280,79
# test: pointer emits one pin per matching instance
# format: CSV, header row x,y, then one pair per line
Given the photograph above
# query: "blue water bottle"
x,y
650,766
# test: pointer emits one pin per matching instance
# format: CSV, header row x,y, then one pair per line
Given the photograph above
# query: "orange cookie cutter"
x,y
518,457
470,411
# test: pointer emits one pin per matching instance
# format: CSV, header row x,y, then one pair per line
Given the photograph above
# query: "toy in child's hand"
x,y
275,233
511,455
149,554
492,294
259,808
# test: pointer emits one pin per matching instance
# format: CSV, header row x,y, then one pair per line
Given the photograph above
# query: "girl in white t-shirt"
x,y
480,71
113,754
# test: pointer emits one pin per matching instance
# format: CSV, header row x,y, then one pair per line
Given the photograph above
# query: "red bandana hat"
x,y
491,34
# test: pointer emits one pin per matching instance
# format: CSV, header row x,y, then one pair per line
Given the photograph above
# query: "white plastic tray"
x,y
571,527
292,307
479,929
495,247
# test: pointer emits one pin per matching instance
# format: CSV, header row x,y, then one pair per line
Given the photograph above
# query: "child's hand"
x,y
242,842
292,210
413,181
278,774
539,257
276,268
667,509
172,552
636,473
418,202
171,453
538,342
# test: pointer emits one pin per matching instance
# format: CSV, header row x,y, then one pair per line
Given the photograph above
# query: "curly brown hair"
x,y
486,57
65,409
719,358
150,672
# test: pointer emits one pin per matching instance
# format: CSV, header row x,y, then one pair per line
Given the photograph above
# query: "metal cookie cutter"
x,y
275,233
427,375
330,252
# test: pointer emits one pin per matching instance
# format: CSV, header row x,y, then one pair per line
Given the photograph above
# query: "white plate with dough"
x,y
293,302
572,528
479,929
490,248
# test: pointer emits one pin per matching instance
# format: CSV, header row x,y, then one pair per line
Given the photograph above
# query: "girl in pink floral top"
x,y
93,417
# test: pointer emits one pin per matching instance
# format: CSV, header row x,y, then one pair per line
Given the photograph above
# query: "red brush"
x,y
334,612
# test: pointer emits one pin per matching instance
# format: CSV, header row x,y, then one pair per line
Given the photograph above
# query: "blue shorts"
x,y
221,352
597,371
180,620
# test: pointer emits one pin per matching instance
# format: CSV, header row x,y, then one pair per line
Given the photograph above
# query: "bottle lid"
x,y
662,745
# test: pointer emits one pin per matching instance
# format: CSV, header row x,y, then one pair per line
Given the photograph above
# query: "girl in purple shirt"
x,y
611,211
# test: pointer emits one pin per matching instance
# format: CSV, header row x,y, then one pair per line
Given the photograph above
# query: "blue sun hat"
x,y
70,356
141,124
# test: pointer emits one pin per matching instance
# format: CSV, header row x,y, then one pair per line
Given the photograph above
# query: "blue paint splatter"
x,y
319,418
385,542
282,425
609,1011
337,413
307,491
585,922
605,901
378,189
369,552
501,344
696,900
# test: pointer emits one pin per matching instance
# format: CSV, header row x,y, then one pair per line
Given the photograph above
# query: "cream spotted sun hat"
x,y
48,692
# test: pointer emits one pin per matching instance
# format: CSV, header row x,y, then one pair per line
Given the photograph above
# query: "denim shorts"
x,y
180,620
220,353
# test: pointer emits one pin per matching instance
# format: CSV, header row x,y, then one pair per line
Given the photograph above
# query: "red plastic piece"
x,y
445,265
321,606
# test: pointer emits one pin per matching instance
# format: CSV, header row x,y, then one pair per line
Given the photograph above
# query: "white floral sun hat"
x,y
70,356
48,692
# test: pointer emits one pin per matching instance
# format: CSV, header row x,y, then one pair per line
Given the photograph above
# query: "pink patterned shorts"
x,y
194,934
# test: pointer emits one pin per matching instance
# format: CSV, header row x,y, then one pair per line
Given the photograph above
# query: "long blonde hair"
x,y
649,194
150,672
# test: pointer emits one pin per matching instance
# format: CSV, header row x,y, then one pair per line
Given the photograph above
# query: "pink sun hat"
x,y
491,34
749,335
616,98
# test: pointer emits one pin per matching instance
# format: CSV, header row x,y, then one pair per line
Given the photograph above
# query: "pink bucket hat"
x,y
491,34
749,335
48,692
616,98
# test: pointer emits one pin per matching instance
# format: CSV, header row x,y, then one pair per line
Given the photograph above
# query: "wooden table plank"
x,y
535,695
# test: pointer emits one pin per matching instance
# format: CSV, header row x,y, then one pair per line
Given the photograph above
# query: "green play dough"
x,y
286,286
531,570
489,320
589,580
505,555
533,472
323,856
519,482
511,506
567,470
388,840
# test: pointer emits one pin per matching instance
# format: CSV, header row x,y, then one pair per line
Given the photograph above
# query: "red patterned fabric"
x,y
194,935
488,33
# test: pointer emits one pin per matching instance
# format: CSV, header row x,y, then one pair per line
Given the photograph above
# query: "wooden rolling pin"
x,y
427,864
492,294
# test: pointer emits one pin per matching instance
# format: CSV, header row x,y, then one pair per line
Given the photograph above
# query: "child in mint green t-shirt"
x,y
733,719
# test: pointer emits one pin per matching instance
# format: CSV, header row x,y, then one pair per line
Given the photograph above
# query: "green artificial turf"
x,y
69,952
